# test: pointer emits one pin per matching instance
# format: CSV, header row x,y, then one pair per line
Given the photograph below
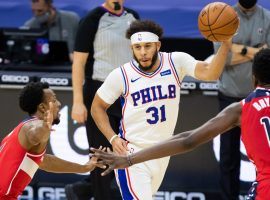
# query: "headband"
x,y
143,37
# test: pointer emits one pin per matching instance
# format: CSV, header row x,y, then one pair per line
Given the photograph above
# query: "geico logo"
x,y
16,79
160,195
50,193
208,86
188,85
55,81
28,193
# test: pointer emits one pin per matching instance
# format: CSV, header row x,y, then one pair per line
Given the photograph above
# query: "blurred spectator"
x,y
62,25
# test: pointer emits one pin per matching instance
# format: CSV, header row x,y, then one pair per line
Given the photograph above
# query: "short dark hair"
x,y
144,25
46,1
261,66
31,96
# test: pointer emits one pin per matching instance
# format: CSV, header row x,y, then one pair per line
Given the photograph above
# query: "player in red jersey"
x,y
252,114
22,152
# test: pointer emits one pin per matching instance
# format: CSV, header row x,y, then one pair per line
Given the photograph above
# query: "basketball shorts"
x,y
141,181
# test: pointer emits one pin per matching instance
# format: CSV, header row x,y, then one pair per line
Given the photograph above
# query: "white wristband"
x,y
112,138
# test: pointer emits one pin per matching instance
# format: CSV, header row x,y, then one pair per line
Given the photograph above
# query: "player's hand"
x,y
119,146
48,116
113,160
79,112
92,163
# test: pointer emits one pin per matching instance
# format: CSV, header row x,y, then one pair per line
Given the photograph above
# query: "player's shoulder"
x,y
180,55
117,72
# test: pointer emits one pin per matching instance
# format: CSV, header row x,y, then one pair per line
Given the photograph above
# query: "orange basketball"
x,y
218,22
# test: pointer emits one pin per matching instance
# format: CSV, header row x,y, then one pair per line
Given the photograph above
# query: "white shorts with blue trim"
x,y
141,181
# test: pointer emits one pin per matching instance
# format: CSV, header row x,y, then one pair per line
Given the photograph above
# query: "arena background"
x,y
192,176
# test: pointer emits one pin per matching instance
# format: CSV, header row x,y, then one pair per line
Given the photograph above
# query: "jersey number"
x,y
265,121
156,115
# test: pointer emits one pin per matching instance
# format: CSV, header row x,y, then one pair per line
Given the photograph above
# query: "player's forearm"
x,y
54,164
180,135
215,68
172,146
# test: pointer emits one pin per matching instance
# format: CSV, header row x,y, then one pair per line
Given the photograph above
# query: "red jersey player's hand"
x,y
93,162
48,116
112,159
119,146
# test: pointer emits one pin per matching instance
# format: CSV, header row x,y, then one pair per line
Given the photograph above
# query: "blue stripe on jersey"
x,y
121,130
126,194
122,101
257,93
174,69
125,81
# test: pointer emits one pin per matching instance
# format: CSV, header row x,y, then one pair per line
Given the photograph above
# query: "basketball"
x,y
218,22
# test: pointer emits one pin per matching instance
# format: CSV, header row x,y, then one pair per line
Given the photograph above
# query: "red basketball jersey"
x,y
17,166
255,125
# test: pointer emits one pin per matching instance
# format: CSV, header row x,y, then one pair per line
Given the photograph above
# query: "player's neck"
x,y
37,115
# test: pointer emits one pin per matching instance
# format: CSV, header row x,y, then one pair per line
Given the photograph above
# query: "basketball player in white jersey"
x,y
149,87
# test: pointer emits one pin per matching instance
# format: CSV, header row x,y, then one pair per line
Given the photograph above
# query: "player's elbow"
x,y
189,143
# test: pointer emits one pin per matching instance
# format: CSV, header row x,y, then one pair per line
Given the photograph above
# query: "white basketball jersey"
x,y
150,102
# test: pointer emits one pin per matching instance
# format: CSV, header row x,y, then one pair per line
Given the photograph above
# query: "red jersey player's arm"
x,y
180,143
225,120
36,132
54,164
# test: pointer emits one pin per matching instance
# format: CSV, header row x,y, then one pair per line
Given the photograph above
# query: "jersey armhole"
x,y
124,74
174,69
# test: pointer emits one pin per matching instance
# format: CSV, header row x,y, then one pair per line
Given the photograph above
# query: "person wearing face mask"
x,y
100,47
236,82
62,25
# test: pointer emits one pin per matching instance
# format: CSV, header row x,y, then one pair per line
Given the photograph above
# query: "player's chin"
x,y
145,65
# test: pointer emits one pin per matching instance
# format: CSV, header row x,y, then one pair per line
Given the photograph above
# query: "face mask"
x,y
43,18
247,4
117,6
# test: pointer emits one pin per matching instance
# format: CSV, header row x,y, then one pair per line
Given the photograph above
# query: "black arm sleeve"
x,y
134,13
87,30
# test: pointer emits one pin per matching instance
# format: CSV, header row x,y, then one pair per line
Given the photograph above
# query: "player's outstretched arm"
x,y
212,71
226,119
54,164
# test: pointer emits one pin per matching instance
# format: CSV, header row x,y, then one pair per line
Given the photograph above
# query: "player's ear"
x,y
42,107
